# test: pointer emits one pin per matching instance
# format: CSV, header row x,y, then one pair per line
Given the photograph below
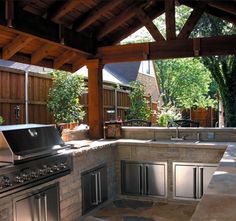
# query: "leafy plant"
x,y
166,115
1,120
64,96
138,108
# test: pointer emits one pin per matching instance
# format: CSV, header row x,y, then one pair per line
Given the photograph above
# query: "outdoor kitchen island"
x,y
90,157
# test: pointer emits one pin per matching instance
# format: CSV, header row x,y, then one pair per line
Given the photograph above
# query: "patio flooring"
x,y
133,210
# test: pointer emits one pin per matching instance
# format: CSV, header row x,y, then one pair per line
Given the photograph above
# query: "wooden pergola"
x,y
67,34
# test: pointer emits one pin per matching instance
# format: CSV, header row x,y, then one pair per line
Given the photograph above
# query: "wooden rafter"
x,y
15,45
212,11
179,48
41,53
230,7
116,22
78,63
170,19
153,30
63,58
65,8
34,25
192,20
122,35
96,13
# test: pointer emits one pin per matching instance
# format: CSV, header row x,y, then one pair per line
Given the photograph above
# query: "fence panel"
x,y
12,99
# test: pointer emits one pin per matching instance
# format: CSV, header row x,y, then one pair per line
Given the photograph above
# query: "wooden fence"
x,y
12,99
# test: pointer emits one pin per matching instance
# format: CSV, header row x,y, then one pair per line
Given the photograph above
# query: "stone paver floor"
x,y
133,210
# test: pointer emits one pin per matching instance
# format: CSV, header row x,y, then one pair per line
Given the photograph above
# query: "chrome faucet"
x,y
176,134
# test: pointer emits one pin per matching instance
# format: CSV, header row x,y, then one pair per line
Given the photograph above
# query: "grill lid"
x,y
30,139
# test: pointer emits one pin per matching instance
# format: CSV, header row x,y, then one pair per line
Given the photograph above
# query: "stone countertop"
x,y
83,146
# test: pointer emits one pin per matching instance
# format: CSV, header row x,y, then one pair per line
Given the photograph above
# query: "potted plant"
x,y
63,98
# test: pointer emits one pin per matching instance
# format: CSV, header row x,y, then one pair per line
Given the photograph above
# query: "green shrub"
x,y
1,120
63,101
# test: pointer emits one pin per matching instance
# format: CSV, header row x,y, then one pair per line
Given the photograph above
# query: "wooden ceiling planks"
x,y
93,23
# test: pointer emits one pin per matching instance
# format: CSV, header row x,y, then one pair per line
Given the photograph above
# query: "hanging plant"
x,y
63,98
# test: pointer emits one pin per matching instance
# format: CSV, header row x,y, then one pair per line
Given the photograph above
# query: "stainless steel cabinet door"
x,y
185,181
27,209
87,192
132,178
50,204
205,174
43,206
155,179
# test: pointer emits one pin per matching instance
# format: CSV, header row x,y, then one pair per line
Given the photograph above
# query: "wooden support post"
x,y
95,99
9,12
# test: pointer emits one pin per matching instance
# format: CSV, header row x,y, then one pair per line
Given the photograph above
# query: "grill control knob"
x,y
5,182
63,165
19,179
33,174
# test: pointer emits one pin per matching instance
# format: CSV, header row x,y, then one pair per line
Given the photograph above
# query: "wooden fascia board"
x,y
15,45
28,23
179,48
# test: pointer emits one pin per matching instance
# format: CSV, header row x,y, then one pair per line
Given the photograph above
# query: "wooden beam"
x,y
153,30
212,11
179,48
192,20
228,6
170,19
28,23
117,37
116,22
9,12
96,13
95,99
68,6
63,58
42,53
78,63
14,46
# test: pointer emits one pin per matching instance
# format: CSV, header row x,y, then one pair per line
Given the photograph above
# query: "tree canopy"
x,y
184,83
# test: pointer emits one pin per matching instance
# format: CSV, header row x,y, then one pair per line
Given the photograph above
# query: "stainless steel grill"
x,y
30,155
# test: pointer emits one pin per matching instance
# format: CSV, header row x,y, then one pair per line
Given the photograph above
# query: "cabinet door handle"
x,y
94,189
141,179
45,207
38,198
201,181
146,180
195,182
99,188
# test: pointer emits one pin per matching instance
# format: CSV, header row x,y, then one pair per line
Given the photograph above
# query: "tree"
x,y
184,83
64,96
138,107
222,68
